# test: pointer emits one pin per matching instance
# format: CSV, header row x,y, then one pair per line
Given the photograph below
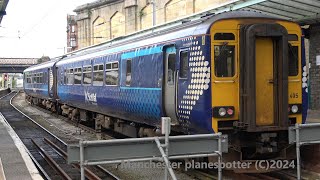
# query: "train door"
x,y
264,81
170,82
264,77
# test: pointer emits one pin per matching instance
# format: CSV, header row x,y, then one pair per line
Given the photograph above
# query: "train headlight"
x,y
294,109
222,112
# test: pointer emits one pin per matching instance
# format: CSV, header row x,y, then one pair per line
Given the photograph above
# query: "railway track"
x,y
194,174
105,134
46,150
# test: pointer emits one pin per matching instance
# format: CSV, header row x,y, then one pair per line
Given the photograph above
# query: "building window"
x,y
72,28
224,61
87,75
73,42
112,73
98,75
183,73
128,72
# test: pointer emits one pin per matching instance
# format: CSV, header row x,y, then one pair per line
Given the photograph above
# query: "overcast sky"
x,y
33,28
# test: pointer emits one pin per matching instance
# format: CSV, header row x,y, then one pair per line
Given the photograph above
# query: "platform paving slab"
x,y
313,116
15,160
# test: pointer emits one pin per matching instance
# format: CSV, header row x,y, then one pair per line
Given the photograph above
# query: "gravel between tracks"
x,y
71,134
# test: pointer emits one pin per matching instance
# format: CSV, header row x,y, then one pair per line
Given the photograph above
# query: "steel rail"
x,y
42,171
88,173
6,95
35,121
51,162
107,172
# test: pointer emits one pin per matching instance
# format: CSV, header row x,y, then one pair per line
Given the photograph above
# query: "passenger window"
x,y
41,78
224,61
28,78
34,77
224,36
65,77
293,60
112,73
171,68
98,75
87,77
70,76
45,77
183,73
77,75
128,72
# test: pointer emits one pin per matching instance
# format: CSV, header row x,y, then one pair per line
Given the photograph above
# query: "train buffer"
x,y
303,134
166,148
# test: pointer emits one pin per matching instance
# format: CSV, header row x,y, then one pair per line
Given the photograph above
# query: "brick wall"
x,y
314,71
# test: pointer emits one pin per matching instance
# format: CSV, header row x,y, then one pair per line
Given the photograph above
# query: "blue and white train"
x,y
238,72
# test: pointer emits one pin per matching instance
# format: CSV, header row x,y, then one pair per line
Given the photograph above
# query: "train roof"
x,y
188,28
151,36
43,65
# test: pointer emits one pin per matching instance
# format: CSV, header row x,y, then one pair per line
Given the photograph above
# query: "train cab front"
x,y
256,84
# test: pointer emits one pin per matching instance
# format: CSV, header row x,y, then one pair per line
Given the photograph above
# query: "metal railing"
x,y
149,149
303,134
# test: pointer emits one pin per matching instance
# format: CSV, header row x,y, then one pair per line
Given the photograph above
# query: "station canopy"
x,y
303,12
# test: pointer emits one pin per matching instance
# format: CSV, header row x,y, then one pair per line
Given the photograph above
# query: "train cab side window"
x,y
128,72
112,73
224,60
87,75
183,73
171,68
98,75
293,64
224,36
77,75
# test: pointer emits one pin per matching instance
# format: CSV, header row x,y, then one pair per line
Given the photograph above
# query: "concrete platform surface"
x,y
15,160
313,116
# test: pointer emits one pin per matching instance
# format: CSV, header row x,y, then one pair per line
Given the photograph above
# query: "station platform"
x,y
15,162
